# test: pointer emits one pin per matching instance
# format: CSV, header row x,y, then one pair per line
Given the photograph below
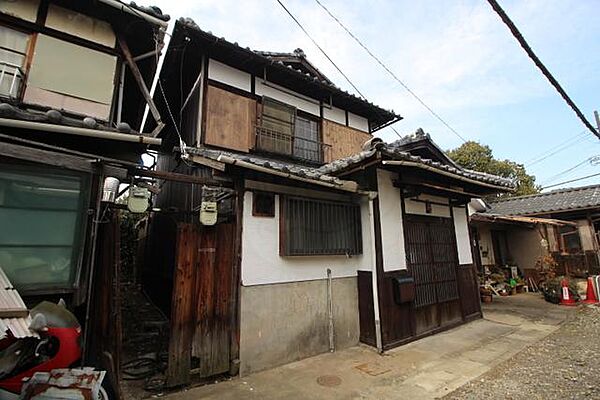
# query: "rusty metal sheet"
x,y
84,384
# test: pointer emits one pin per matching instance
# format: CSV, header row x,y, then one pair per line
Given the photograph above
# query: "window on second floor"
x,y
284,130
13,51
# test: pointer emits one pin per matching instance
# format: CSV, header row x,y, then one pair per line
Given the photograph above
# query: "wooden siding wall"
x,y
230,119
344,140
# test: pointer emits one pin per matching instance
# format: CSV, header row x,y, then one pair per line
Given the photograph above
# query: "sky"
x,y
457,56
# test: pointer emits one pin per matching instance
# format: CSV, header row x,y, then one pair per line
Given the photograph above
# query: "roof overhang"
x,y
519,220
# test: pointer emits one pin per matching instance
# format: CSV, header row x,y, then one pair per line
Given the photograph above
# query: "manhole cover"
x,y
329,380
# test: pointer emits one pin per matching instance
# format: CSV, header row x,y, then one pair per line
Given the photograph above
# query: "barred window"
x,y
316,227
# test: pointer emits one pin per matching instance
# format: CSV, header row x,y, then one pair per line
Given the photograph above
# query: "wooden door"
x,y
433,260
203,303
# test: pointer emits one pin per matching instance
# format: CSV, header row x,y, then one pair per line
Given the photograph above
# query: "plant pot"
x,y
486,298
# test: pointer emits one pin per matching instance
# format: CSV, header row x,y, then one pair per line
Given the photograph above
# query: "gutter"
x,y
72,130
347,186
442,172
138,13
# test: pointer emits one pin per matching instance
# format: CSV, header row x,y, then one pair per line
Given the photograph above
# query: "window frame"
x,y
258,213
79,244
562,234
285,231
295,113
27,57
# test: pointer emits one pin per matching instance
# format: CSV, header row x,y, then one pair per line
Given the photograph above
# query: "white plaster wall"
x,y
24,9
334,114
417,207
392,230
461,229
486,245
301,102
262,264
231,76
358,122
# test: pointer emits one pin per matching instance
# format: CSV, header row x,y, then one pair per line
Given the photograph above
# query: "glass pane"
x,y
40,216
306,137
37,227
37,266
47,191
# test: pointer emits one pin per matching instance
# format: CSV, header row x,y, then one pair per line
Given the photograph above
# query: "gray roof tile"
x,y
554,201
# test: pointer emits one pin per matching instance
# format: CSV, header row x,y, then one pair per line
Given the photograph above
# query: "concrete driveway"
x,y
425,369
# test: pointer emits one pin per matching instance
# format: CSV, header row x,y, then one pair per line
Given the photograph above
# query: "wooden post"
x,y
141,84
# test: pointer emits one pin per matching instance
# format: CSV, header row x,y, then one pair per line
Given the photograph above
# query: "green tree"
x,y
479,157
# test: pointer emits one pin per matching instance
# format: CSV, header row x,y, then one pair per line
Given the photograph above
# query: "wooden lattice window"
x,y
318,227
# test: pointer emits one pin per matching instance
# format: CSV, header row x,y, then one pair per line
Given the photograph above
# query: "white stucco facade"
x,y
220,72
463,241
262,264
392,229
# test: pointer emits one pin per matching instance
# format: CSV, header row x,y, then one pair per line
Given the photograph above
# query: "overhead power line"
x,y
572,180
327,56
517,34
580,137
390,72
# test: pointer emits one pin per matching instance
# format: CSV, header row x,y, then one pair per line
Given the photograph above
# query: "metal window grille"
x,y
315,227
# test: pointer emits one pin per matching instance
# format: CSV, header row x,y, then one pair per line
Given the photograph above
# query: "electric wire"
x,y
391,73
326,55
580,137
572,180
517,35
562,173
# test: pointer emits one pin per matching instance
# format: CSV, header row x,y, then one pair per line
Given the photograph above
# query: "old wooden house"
x,y
308,234
567,220
74,79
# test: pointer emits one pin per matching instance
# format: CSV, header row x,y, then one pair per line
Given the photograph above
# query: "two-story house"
x,y
74,79
321,231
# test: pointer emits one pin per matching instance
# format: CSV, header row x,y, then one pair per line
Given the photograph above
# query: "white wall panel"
x,y
334,114
461,229
358,122
418,207
392,230
284,95
262,264
220,72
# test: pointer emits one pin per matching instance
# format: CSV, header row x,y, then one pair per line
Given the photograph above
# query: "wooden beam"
x,y
140,81
296,191
47,157
173,176
208,162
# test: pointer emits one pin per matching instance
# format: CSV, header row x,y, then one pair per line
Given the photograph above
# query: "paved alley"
x,y
425,369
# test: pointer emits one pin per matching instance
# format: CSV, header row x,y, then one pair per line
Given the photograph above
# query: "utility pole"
x,y
597,116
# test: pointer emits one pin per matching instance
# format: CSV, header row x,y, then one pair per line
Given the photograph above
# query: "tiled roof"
x,y
297,58
266,59
554,201
395,153
295,169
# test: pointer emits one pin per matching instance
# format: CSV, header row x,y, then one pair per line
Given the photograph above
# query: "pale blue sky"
x,y
456,55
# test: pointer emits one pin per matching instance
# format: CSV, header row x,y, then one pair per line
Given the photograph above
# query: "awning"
x,y
518,219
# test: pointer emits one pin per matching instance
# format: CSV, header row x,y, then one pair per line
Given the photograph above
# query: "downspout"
x,y
376,314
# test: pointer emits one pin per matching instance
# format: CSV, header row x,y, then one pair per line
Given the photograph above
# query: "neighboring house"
x,y
572,240
74,79
309,205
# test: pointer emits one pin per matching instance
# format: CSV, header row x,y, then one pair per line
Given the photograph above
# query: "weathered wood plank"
x,y
183,313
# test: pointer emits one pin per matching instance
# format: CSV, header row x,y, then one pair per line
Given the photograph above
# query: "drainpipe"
x,y
373,196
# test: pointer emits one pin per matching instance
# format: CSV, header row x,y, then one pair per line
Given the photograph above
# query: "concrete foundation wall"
x,y
286,322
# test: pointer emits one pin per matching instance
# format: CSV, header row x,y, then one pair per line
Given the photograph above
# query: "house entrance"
x,y
433,260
